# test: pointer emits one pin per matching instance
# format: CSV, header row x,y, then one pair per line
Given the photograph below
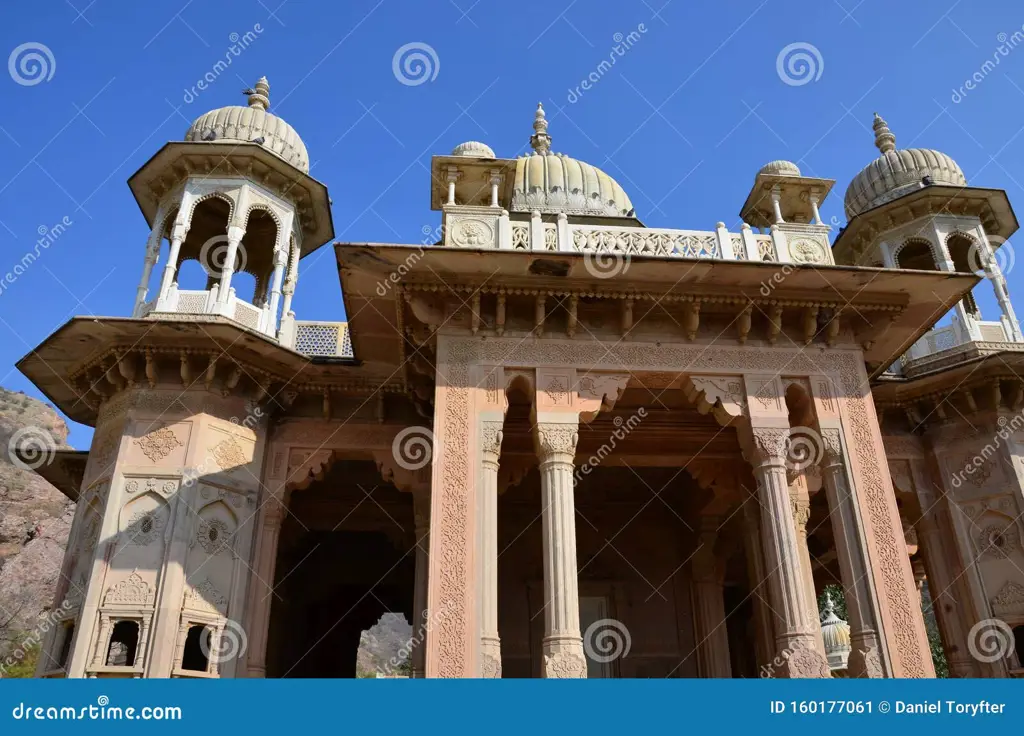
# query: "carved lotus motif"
x,y
472,234
228,454
158,444
807,251
214,536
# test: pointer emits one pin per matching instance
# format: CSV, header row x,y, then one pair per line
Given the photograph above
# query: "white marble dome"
x,y
473,149
247,124
555,183
898,172
835,634
780,168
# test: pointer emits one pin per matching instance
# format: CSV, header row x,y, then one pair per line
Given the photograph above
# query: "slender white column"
x,y
261,591
421,513
490,642
280,257
495,181
777,204
291,279
235,235
178,233
794,639
866,658
562,644
708,578
152,254
814,210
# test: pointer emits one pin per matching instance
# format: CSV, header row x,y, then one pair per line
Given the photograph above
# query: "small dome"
x,y
896,173
247,124
555,183
835,634
780,168
473,149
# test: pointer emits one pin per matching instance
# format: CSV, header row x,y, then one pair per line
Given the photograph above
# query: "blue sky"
x,y
683,120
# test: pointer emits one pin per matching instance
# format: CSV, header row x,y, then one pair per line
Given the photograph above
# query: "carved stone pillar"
x,y
420,624
490,643
795,620
801,505
261,591
562,644
866,658
764,643
708,588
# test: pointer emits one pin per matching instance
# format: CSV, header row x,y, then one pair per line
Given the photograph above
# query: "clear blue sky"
x,y
683,120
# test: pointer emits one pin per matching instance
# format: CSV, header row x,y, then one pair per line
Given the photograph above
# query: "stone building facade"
x,y
562,443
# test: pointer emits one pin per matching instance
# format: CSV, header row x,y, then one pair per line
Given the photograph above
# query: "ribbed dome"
x,y
896,173
835,634
473,149
247,124
553,182
780,168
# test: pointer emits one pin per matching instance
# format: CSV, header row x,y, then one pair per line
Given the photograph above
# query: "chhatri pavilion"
x,y
548,420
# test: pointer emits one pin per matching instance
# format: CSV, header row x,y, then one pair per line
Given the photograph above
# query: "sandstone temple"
x,y
546,419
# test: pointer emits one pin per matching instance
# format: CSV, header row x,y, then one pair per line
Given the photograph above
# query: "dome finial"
x,y
884,138
259,96
540,140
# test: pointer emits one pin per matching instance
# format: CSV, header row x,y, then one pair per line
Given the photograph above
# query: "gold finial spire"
x,y
259,96
540,140
884,138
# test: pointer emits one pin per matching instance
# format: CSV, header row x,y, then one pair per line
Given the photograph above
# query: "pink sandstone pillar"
x,y
490,643
421,515
708,578
562,644
261,591
795,621
763,626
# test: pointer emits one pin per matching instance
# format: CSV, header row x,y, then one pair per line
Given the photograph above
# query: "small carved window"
x,y
67,636
196,656
124,644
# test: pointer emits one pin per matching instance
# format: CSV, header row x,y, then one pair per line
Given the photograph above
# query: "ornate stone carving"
x,y
865,663
1009,600
806,663
213,536
159,443
998,541
557,439
228,454
770,444
205,597
472,234
145,527
557,390
132,591
491,437
832,446
565,665
490,666
807,251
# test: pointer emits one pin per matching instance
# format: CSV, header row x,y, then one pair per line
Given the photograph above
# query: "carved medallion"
x,y
472,234
144,527
807,251
132,591
159,443
214,536
228,454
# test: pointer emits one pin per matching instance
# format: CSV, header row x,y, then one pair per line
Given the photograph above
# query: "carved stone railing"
x,y
492,228
954,342
322,339
195,302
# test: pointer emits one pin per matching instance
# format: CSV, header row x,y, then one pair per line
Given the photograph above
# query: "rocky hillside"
x,y
35,517
382,646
